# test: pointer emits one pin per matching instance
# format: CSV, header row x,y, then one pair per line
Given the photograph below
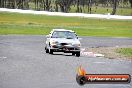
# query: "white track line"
x,y
108,16
3,57
99,62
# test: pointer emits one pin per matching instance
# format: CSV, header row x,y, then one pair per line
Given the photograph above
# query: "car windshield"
x,y
64,34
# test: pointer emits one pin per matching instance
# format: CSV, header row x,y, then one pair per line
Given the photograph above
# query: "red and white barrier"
x,y
90,54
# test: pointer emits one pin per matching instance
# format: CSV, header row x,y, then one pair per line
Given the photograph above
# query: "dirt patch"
x,y
110,52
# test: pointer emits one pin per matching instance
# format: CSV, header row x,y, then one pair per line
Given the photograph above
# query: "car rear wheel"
x,y
77,54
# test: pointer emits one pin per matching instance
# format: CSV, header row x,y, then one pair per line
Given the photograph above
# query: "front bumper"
x,y
65,48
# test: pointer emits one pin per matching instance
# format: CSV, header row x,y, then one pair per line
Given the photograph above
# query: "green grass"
x,y
125,51
15,23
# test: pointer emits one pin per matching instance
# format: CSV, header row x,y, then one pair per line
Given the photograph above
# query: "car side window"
x,y
54,35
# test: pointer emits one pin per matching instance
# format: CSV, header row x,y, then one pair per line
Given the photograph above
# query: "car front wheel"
x,y
50,51
46,50
77,54
73,53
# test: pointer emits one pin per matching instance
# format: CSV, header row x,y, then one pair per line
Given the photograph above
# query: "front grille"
x,y
71,49
64,44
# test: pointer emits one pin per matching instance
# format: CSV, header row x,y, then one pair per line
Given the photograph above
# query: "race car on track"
x,y
62,40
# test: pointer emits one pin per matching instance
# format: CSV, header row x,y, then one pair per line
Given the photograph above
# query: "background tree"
x,y
65,5
114,7
86,6
78,9
47,5
130,2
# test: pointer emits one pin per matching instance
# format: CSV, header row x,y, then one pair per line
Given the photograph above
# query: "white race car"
x,y
61,40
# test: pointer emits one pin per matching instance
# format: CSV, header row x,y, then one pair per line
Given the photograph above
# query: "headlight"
x,y
78,45
54,43
69,43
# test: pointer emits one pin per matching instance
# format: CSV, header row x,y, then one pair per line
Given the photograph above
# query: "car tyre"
x,y
50,51
47,51
73,53
78,54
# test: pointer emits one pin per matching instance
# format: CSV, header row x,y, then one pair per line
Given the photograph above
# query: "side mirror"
x,y
47,36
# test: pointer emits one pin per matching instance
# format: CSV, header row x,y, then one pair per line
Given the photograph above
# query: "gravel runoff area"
x,y
110,52
108,46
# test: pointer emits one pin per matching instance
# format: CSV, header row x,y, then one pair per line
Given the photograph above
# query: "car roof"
x,y
62,30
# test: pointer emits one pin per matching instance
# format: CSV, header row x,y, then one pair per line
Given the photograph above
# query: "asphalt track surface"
x,y
24,63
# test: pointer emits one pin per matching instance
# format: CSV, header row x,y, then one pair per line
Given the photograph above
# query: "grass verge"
x,y
15,23
122,52
125,51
